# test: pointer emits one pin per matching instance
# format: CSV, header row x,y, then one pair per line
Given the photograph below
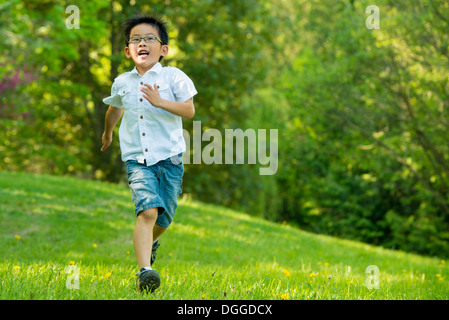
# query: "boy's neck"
x,y
142,71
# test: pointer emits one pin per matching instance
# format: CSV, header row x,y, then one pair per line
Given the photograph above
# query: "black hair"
x,y
157,22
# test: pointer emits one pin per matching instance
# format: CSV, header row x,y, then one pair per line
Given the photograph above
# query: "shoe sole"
x,y
148,281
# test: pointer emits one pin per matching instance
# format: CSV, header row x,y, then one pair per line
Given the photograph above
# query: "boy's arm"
x,y
113,115
184,109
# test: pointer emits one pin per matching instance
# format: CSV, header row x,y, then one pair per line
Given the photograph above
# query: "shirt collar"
x,y
156,69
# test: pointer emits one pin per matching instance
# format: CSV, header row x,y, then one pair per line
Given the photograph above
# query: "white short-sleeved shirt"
x,y
147,132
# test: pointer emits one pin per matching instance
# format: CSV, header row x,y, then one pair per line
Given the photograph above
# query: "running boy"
x,y
153,100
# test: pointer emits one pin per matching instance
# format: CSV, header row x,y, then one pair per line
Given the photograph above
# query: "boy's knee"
x,y
149,215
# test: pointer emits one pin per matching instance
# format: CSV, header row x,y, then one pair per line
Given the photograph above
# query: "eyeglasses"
x,y
150,39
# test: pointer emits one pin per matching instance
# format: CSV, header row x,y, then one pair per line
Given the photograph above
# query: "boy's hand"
x,y
152,94
106,140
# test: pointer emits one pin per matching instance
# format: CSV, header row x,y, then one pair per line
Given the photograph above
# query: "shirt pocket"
x,y
116,98
165,91
127,96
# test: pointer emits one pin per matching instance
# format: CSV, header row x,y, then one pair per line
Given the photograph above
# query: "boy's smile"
x,y
146,53
143,53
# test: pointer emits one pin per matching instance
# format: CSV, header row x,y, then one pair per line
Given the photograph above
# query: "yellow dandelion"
x,y
438,275
285,296
351,282
312,274
16,268
17,236
443,262
72,263
319,262
128,252
441,278
170,254
203,296
94,245
107,275
326,264
286,272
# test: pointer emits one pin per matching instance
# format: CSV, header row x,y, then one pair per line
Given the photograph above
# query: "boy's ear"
x,y
127,53
164,50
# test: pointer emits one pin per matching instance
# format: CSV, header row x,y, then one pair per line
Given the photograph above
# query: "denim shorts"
x,y
156,186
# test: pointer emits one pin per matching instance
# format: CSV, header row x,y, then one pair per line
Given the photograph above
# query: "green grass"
x,y
48,223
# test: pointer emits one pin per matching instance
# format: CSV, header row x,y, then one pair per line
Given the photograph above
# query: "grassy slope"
x,y
210,252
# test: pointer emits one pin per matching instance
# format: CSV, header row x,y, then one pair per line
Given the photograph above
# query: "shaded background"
x,y
362,115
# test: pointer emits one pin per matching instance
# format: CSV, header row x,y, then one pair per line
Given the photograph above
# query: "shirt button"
x,y
141,117
123,91
146,150
141,99
143,134
141,83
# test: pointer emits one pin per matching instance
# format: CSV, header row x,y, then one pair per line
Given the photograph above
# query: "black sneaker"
x,y
148,280
153,251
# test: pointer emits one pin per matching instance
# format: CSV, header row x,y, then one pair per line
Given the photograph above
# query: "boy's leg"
x,y
143,236
157,231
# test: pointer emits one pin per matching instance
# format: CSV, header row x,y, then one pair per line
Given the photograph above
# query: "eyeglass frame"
x,y
145,40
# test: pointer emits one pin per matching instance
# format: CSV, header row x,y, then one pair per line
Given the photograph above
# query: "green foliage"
x,y
369,114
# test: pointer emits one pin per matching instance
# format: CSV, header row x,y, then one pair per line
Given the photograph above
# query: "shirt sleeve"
x,y
114,99
182,86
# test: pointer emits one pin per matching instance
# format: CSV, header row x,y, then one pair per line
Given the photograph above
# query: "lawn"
x,y
68,238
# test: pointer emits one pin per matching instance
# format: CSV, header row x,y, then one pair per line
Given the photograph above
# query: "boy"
x,y
152,99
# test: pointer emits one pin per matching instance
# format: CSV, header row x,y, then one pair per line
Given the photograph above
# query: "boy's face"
x,y
145,54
